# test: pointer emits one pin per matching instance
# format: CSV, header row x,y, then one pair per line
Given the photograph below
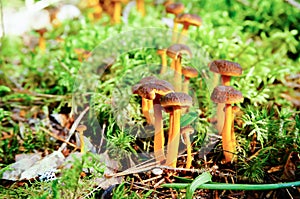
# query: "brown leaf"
x,y
290,167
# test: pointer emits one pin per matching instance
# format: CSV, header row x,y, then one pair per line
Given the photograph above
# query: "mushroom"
x,y
188,72
185,132
153,89
81,128
227,95
188,20
42,41
175,52
226,69
163,55
140,5
174,102
176,9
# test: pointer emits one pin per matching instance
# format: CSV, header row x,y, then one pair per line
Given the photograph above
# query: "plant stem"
x,y
225,186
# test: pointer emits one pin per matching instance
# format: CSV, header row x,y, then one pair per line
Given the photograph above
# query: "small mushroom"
x,y
175,102
188,20
226,69
152,89
175,52
42,41
163,55
227,95
188,72
185,132
81,128
176,9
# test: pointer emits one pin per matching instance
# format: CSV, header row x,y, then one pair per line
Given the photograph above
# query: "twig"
x,y
57,137
73,128
293,3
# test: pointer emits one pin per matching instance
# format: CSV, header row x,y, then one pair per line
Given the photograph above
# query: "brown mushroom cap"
x,y
175,8
81,127
191,19
227,95
176,99
225,67
187,129
149,90
178,49
155,80
189,72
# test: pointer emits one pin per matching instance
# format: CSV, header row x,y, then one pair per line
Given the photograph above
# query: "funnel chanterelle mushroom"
x,y
186,131
227,95
152,88
175,52
176,9
188,20
226,69
188,72
174,102
81,128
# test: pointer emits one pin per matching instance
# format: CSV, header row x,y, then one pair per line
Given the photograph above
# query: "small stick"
x,y
159,183
57,137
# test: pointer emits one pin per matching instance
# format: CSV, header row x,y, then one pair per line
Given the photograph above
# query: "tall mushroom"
x,y
185,132
227,95
226,69
81,128
188,20
176,9
174,102
188,72
153,90
175,52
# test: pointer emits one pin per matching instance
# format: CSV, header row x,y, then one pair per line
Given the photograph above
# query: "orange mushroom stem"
x,y
163,56
140,4
228,146
42,41
117,11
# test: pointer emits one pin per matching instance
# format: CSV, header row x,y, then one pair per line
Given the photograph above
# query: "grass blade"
x,y
202,179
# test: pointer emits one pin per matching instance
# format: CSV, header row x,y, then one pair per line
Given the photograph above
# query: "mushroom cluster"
x,y
162,96
225,95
